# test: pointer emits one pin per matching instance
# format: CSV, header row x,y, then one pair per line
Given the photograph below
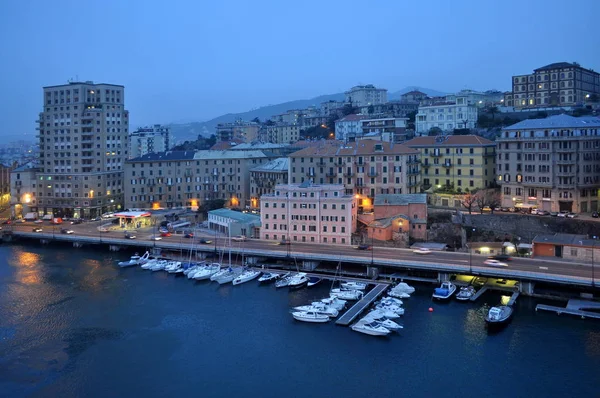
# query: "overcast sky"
x,y
194,60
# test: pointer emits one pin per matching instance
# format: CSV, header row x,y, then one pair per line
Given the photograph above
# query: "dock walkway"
x,y
360,306
513,299
479,293
574,307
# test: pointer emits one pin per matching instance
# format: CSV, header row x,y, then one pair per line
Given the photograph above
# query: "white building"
x,y
366,95
447,116
349,126
149,140
389,129
23,190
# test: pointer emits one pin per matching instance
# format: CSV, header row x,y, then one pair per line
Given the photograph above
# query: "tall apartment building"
x,y
308,213
458,113
461,161
83,146
280,133
265,177
349,127
552,164
365,168
151,139
366,95
558,84
238,130
187,178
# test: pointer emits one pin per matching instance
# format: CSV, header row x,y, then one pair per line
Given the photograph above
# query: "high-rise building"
x,y
552,164
152,139
366,95
83,131
558,84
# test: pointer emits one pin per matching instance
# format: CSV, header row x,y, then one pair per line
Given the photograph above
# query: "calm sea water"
x,y
74,324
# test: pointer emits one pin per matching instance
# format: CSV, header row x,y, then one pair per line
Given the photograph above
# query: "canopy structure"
x,y
132,214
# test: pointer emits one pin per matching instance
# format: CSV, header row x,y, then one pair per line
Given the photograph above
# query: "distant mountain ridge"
x,y
190,131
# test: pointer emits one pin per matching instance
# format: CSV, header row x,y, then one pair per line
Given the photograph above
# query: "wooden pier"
x,y
574,307
360,306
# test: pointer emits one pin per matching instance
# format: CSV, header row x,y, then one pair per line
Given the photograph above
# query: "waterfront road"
x,y
460,262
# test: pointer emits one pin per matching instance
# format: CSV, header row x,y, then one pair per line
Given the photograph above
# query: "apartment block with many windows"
x,y
188,179
307,212
152,139
365,168
83,146
463,162
552,164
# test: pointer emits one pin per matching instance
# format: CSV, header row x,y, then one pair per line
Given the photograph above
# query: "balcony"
x,y
564,161
436,154
331,174
321,163
426,165
563,150
310,174
349,174
562,185
566,173
412,183
413,161
412,171
372,173
447,164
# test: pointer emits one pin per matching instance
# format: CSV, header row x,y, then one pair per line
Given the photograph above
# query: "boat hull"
x,y
371,332
324,319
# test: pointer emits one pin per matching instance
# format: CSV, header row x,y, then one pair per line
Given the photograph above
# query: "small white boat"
x,y
159,266
373,329
403,287
313,280
283,281
310,316
246,276
445,291
465,293
388,309
352,285
334,302
149,263
172,266
134,260
499,315
386,323
319,307
298,281
383,313
391,301
229,275
217,274
268,277
346,294
207,272
399,295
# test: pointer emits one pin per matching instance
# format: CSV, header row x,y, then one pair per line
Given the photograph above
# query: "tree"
x,y
493,198
468,201
348,109
269,122
481,200
371,110
493,110
212,204
434,131
256,120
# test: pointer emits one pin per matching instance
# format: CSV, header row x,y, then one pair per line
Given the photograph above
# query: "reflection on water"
x,y
504,300
592,344
29,271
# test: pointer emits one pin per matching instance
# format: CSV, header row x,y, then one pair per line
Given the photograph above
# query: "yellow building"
x,y
461,162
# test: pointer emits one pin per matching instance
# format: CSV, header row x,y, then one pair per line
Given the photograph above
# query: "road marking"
x,y
543,267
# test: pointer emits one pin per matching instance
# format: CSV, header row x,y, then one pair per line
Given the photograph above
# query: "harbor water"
x,y
73,324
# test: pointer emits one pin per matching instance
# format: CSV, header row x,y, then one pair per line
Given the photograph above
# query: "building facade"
x,y
447,116
561,84
234,223
365,168
265,177
152,139
308,213
5,187
83,131
464,162
349,127
23,190
552,164
390,109
399,214
388,129
238,130
366,95
281,133
413,96
188,179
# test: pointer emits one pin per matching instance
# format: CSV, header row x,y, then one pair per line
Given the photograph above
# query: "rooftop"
x,y
236,215
275,165
558,65
448,140
223,145
352,118
198,155
562,121
362,147
561,239
400,199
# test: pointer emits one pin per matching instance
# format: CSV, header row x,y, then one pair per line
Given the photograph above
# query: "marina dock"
x,y
574,307
360,306
513,299
479,293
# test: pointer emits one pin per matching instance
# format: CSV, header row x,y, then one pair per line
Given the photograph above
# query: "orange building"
x,y
398,213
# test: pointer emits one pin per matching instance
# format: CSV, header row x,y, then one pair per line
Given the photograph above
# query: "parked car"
x,y
285,242
535,211
563,213
505,209
38,221
37,229
206,241
553,213
364,247
543,213
495,263
595,214
572,215
239,238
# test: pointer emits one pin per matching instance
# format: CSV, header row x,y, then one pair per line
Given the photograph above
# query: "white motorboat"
x,y
386,323
207,272
346,294
334,302
229,275
283,281
246,276
391,301
319,307
172,266
387,309
445,291
384,313
498,315
465,293
310,316
134,260
352,285
374,328
149,263
298,281
268,277
397,294
403,287
159,266
313,280
217,274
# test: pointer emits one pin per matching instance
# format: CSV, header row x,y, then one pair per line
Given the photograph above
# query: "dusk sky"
x,y
194,60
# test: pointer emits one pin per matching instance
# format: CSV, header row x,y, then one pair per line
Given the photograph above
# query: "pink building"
x,y
308,213
405,213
